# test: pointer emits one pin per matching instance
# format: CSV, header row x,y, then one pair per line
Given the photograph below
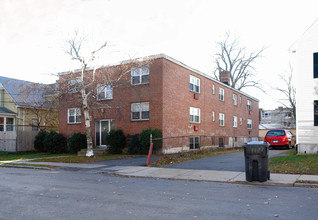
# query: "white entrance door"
x,y
102,128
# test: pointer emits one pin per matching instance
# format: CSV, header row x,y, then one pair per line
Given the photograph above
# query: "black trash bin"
x,y
256,161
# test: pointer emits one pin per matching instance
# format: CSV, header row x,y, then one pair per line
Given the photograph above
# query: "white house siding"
x,y
307,92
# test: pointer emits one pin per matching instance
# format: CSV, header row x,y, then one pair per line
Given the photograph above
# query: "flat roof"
x,y
164,56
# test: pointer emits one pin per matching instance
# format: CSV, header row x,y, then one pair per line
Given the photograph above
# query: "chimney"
x,y
225,77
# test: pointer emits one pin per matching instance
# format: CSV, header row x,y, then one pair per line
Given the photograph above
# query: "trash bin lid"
x,y
257,143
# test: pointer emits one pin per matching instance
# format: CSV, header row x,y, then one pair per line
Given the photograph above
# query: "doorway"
x,y
102,128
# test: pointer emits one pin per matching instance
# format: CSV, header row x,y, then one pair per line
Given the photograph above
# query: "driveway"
x,y
225,162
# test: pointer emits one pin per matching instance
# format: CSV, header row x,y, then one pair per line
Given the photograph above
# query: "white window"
x,y
74,85
195,142
240,121
213,116
74,115
249,106
6,124
234,121
194,115
213,89
221,119
140,75
234,99
194,84
221,94
140,111
249,123
105,92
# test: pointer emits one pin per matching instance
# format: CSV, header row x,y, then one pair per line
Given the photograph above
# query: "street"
x,y
61,194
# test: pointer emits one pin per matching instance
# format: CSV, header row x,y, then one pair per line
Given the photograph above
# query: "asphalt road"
x,y
39,194
225,162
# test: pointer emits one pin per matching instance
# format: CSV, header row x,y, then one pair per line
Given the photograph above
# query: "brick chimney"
x,y
225,77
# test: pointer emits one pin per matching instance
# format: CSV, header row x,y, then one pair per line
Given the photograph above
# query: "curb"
x,y
26,167
307,185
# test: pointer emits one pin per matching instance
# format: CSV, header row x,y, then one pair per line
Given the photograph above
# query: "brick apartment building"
x,y
192,109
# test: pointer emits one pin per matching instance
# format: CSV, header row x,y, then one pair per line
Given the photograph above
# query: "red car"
x,y
280,137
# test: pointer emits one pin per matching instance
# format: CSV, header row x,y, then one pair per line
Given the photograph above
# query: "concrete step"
x,y
97,151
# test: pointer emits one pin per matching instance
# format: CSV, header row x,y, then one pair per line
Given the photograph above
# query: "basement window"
x,y
195,142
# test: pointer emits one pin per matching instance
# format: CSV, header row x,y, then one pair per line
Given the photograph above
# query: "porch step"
x,y
97,151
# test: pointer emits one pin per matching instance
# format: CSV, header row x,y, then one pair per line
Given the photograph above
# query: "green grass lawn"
x,y
26,155
83,159
294,164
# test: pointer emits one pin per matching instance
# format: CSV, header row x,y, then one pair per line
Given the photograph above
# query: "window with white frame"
x,y
221,119
194,84
249,123
221,94
74,115
73,85
140,75
234,121
234,99
194,142
213,89
213,116
240,121
140,111
6,124
105,92
249,105
194,115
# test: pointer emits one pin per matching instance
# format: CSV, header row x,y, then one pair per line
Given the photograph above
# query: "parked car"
x,y
280,137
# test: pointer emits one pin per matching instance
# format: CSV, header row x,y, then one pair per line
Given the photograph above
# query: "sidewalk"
x,y
184,174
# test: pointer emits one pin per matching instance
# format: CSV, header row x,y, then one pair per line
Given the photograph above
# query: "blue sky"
x,y
33,33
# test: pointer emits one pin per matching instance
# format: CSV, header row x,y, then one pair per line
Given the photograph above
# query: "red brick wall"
x,y
119,108
177,99
170,99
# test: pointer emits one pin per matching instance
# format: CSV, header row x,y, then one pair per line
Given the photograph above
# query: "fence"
x,y
20,139
188,143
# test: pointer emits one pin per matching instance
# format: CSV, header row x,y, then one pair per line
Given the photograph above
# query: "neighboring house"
x,y
280,118
306,61
24,108
192,109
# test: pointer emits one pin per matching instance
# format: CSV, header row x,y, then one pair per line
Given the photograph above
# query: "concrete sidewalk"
x,y
214,176
182,174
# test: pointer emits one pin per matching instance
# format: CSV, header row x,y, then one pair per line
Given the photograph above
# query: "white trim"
x,y
68,116
197,112
223,119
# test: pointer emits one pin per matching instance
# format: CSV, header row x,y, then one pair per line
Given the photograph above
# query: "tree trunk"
x,y
89,151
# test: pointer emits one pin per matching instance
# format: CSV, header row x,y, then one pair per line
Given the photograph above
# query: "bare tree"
x,y
289,91
234,59
90,81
